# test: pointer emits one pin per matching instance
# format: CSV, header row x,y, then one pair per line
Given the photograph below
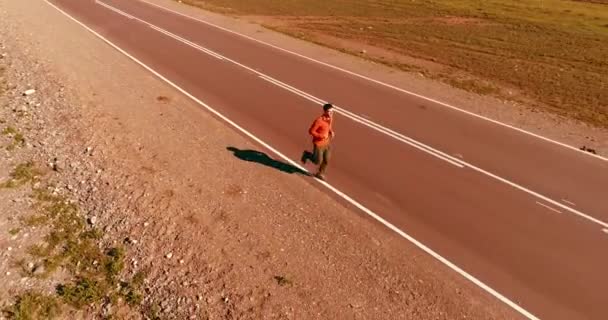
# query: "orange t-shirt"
x,y
320,130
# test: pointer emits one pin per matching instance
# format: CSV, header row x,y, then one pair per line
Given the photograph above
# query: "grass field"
x,y
553,52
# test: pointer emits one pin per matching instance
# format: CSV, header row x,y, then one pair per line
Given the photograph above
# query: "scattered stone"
x,y
169,255
38,269
146,224
92,220
585,148
130,240
30,266
181,261
56,165
29,92
165,306
107,309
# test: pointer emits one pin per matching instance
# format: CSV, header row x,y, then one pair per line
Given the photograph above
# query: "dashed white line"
x,y
192,44
163,31
358,119
548,207
417,144
569,202
420,245
377,81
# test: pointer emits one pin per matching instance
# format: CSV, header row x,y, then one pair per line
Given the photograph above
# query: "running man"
x,y
322,134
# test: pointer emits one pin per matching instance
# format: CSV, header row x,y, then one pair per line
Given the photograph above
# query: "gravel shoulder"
x,y
217,238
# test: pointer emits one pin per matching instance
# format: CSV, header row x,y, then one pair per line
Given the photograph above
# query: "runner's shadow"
x,y
262,158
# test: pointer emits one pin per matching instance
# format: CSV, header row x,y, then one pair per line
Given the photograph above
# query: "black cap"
x,y
327,106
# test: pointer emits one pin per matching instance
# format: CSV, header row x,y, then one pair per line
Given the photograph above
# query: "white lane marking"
x,y
421,146
605,230
192,44
417,243
379,82
357,119
354,117
548,207
371,124
118,11
163,31
569,202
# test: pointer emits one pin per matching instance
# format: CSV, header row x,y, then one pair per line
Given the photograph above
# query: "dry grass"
x,y
22,174
71,246
554,51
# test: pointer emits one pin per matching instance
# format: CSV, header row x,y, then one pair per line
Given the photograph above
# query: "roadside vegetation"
x,y
552,54
95,276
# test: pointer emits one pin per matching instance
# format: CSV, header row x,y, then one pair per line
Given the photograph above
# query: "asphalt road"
x,y
524,215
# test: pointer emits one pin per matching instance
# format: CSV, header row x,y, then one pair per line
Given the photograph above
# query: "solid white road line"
x,y
163,31
192,44
407,140
378,82
363,121
417,144
423,247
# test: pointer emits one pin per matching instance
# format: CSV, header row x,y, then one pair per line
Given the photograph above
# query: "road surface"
x,y
519,215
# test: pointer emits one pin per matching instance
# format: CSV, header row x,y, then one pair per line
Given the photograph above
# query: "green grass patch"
x,y
18,139
82,292
9,131
114,263
22,174
14,231
72,246
33,306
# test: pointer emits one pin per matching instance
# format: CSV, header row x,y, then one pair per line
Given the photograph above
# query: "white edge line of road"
x,y
374,126
359,119
423,247
419,146
163,31
395,135
379,82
